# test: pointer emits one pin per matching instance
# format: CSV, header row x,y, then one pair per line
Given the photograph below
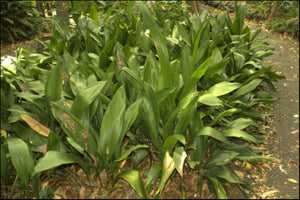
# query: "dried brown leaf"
x,y
82,193
35,125
294,132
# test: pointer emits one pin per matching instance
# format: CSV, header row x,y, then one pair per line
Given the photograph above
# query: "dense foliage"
x,y
285,20
19,20
135,85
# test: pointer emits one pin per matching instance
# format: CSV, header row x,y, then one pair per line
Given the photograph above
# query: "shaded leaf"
x,y
20,157
220,158
129,151
134,179
54,159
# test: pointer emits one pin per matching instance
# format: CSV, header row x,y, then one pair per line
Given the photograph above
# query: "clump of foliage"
x,y
290,26
137,85
286,20
19,20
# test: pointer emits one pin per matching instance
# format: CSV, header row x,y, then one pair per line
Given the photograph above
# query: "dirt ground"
x,y
279,179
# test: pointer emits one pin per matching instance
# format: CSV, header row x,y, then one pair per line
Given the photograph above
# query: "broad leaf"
x,y
134,179
152,175
224,173
20,157
179,157
72,126
54,159
35,125
223,88
220,158
195,77
129,151
208,131
246,88
112,125
168,168
220,191
85,97
234,132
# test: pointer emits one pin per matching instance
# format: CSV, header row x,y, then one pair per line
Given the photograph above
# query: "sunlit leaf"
x,y
35,125
208,131
168,168
179,157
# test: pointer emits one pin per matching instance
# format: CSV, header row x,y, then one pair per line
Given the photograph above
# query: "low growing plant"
x,y
139,85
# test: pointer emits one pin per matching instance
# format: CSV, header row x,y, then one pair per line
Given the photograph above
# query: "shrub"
x,y
136,85
19,20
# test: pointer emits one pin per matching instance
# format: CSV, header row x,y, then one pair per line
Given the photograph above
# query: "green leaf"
x,y
223,114
210,100
72,126
54,159
133,77
112,125
152,175
129,151
167,170
131,114
242,123
134,179
179,157
164,93
234,132
53,86
196,42
159,43
93,11
172,140
224,173
239,60
223,88
85,97
184,118
220,158
212,69
195,77
220,191
212,133
20,157
186,64
246,88
182,105
151,114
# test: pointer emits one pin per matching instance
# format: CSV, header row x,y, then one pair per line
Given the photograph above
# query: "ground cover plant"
x,y
134,85
19,20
